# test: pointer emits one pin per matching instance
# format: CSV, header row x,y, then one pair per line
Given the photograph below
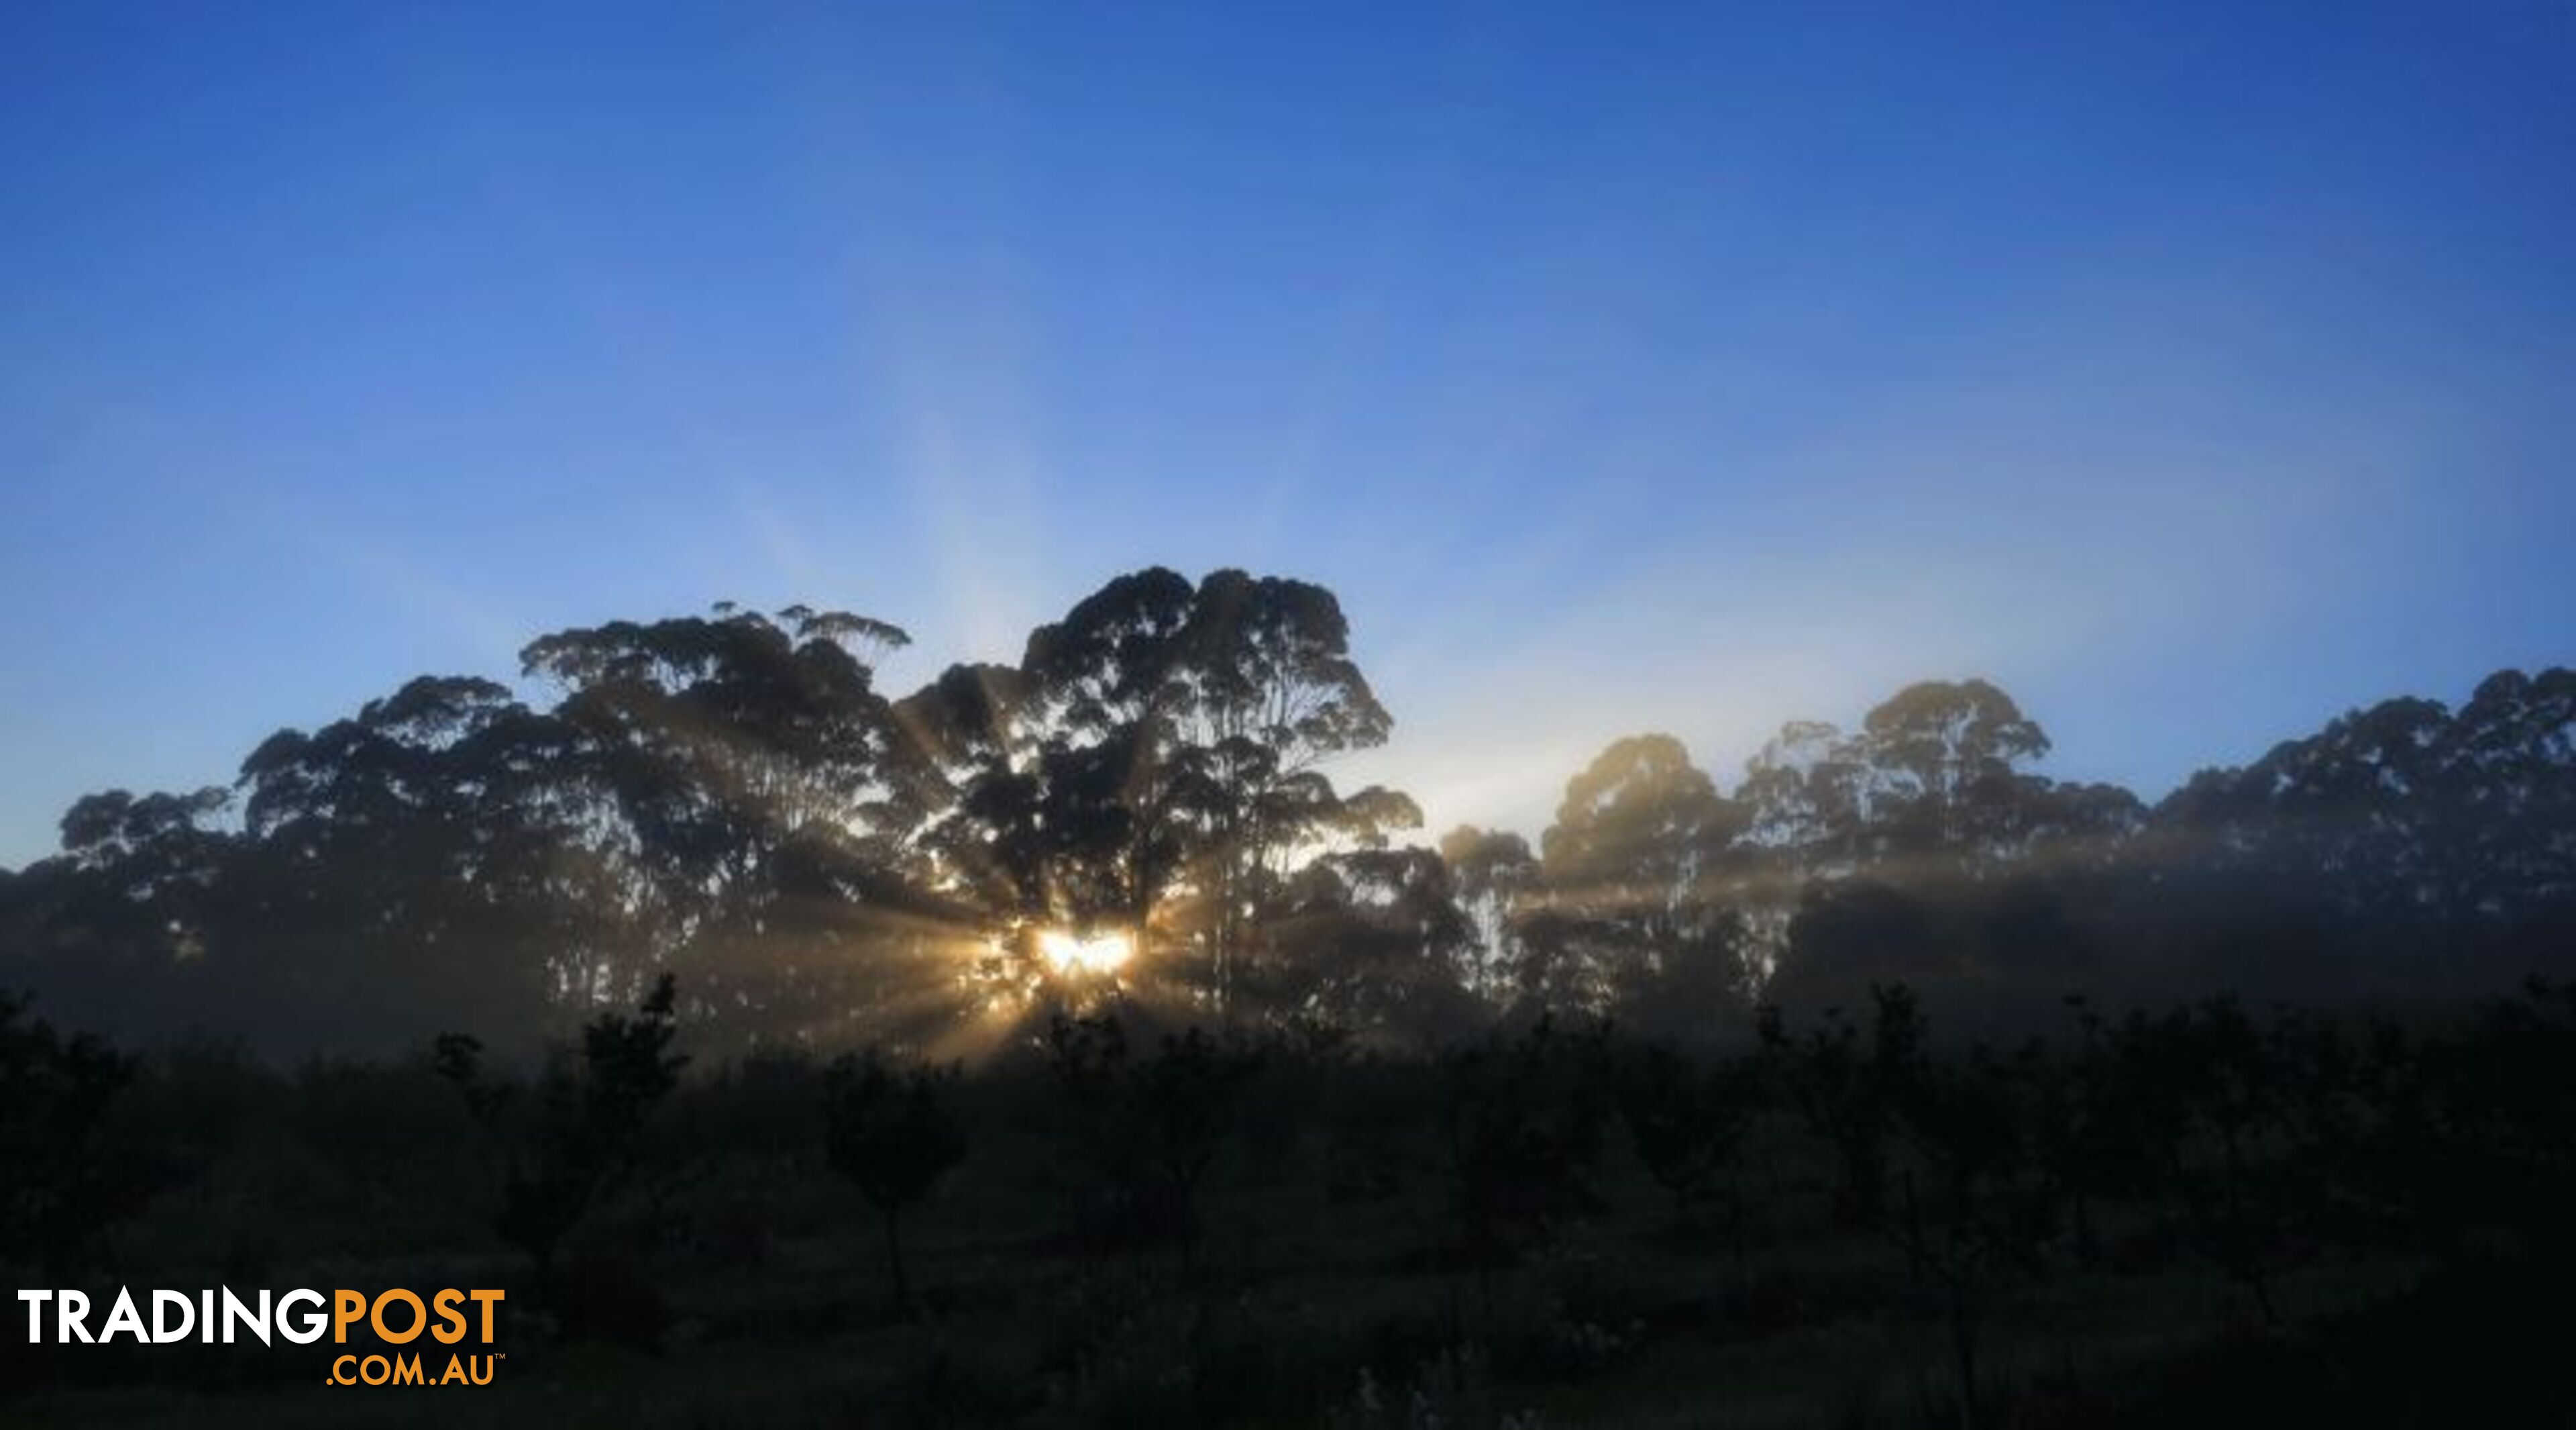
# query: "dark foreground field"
x,y
2204,1216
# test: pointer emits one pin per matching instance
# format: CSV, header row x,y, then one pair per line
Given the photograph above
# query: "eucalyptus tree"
x,y
359,882
1947,756
1374,942
2403,826
407,864
2508,821
1806,798
713,741
1933,785
1857,934
756,797
1118,791
985,839
2325,832
114,928
1633,905
1496,882
1273,694
1922,848
728,791
1151,767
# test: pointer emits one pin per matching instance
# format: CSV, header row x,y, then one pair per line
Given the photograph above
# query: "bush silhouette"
x,y
65,1185
585,1130
894,1132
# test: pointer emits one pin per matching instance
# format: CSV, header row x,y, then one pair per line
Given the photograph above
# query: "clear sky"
x,y
2196,372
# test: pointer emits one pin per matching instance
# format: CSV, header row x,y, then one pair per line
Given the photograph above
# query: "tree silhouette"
x,y
1497,883
1373,942
1978,1203
65,1186
731,797
590,1116
1525,1118
1946,758
1152,762
1687,1119
895,1133
2218,1099
1850,1088
1185,1101
1150,1128
1629,868
730,768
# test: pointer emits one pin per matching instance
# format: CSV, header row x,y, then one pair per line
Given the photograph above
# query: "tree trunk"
x,y
1735,1224
894,1262
1963,1342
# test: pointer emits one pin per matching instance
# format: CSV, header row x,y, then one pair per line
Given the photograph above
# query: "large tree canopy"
x,y
1151,768
732,798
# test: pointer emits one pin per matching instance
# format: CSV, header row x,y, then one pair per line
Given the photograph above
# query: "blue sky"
x,y
2197,372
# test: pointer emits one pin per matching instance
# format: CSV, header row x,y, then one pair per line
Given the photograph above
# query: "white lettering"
x,y
123,1317
235,1313
164,1300
71,1313
313,1326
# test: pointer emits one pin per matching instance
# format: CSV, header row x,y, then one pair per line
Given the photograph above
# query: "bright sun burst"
x,y
1071,953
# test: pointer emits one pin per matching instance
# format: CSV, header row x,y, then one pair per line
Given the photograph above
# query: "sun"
x,y
1070,953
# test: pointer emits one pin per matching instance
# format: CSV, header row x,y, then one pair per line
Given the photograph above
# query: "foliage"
x,y
1525,1122
66,1182
2363,1182
586,1120
829,866
1148,1129
1687,1120
894,1132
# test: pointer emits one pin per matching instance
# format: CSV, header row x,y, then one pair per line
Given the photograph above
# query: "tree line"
x,y
731,798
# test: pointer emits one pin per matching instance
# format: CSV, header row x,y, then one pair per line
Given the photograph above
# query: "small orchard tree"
x,y
64,1185
1150,1126
1525,1123
590,1119
1686,1119
1978,1204
1849,1088
2219,1096
1186,1100
894,1132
